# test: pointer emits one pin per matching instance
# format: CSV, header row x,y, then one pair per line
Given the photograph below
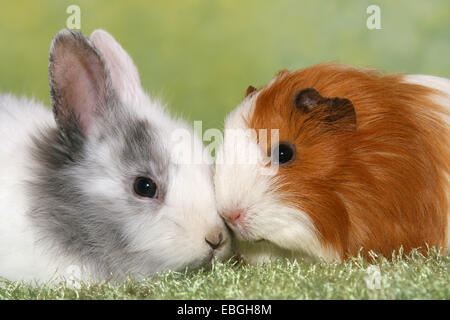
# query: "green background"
x,y
199,56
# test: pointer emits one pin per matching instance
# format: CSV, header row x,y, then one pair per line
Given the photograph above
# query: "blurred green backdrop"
x,y
200,55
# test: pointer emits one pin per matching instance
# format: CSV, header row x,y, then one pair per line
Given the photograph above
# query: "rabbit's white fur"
x,y
151,237
20,257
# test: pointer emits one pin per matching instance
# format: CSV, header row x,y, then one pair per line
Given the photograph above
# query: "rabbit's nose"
x,y
214,239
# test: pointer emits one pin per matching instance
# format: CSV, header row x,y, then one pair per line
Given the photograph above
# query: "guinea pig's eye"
x,y
283,153
145,187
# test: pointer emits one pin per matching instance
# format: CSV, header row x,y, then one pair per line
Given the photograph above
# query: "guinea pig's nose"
x,y
233,216
214,239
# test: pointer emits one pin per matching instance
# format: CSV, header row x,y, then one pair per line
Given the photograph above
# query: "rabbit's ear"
x,y
79,81
124,74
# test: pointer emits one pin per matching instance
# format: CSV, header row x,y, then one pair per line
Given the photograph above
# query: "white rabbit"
x,y
97,193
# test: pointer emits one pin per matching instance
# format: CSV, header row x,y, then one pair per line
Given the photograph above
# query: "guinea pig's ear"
x,y
250,90
79,82
338,111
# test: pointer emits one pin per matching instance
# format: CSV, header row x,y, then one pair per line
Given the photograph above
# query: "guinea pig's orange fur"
x,y
380,187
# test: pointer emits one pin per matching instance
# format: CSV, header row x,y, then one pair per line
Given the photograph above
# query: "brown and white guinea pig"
x,y
363,158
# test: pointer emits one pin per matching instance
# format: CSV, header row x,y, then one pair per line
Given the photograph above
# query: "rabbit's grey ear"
x,y
79,81
124,74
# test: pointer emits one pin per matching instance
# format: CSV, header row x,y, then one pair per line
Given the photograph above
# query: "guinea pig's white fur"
x,y
150,237
272,227
269,220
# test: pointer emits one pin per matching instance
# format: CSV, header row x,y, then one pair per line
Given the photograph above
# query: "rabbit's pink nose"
x,y
233,216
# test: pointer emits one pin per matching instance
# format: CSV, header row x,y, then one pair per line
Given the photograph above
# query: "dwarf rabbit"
x,y
360,162
94,192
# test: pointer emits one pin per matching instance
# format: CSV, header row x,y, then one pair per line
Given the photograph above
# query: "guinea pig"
x,y
95,191
360,163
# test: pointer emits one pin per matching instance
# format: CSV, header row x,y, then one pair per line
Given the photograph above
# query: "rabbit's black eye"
x,y
145,187
285,153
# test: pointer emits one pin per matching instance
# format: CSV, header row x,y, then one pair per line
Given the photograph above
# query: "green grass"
x,y
409,277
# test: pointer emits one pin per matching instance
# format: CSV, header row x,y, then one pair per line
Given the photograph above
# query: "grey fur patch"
x,y
74,222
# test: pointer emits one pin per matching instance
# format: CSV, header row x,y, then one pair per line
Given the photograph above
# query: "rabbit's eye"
x,y
145,187
283,153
